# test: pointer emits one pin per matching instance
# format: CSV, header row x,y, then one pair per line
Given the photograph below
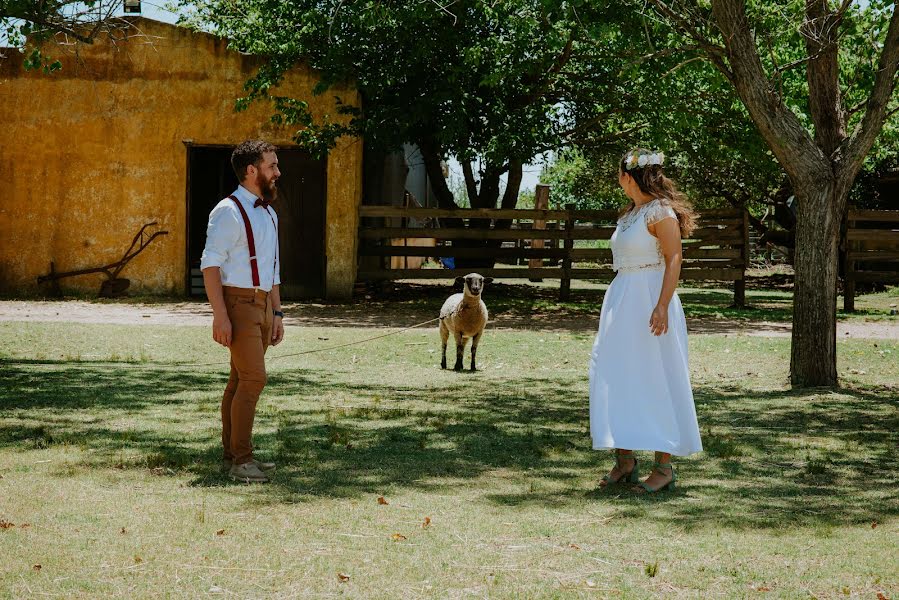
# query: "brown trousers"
x,y
250,312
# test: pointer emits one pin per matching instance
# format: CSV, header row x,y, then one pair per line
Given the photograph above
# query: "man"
x,y
241,272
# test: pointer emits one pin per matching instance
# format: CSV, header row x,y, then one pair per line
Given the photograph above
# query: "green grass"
x,y
524,303
113,466
880,301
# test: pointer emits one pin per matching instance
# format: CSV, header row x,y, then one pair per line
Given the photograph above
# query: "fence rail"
x,y
717,250
871,246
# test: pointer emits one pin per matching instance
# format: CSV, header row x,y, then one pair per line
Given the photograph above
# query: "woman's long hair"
x,y
652,181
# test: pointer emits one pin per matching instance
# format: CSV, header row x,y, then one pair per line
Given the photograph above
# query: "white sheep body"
x,y
465,317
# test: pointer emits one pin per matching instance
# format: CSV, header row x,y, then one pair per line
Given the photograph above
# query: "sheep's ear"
x,y
488,280
460,281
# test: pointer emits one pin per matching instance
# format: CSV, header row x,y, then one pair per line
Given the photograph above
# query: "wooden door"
x,y
300,207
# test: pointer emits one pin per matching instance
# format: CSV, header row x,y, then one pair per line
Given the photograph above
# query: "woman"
x,y
640,395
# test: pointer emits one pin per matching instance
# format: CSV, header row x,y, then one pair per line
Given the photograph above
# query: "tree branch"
x,y
430,153
607,139
841,12
542,84
779,126
855,148
61,27
664,52
589,123
513,184
891,113
489,192
791,65
64,17
471,186
565,56
857,108
714,52
681,64
823,75
510,196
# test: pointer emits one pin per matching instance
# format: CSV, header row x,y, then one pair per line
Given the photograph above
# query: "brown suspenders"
x,y
252,243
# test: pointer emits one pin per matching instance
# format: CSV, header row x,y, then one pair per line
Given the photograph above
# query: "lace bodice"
x,y
633,247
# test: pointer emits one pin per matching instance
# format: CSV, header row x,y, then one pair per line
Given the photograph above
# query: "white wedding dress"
x,y
640,395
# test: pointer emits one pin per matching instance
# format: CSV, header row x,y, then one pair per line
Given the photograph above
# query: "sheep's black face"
x,y
475,283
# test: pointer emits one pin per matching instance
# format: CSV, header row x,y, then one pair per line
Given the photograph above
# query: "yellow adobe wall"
x,y
89,154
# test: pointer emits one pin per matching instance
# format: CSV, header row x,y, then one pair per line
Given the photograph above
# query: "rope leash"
x,y
356,343
226,362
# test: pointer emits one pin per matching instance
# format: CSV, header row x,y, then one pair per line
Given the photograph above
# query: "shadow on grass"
x,y
526,306
772,459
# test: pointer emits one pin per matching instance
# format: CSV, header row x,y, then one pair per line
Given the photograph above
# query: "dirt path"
x,y
360,315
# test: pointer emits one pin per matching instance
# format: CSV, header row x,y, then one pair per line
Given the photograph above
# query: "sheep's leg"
x,y
444,336
474,349
461,342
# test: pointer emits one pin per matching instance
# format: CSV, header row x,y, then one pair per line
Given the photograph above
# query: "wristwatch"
x,y
278,313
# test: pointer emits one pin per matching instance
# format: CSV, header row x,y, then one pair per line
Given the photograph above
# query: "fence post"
x,y
740,284
565,284
541,202
849,268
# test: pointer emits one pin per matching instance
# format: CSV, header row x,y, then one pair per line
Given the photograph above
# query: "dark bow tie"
x,y
260,202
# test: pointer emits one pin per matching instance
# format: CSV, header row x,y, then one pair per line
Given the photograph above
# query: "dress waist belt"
x,y
656,266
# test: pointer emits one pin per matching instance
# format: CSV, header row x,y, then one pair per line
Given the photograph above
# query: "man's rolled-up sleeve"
x,y
222,234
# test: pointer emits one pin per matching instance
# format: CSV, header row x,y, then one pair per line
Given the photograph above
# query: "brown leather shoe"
x,y
248,473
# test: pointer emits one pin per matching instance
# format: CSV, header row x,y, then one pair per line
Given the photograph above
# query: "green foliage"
x,y
494,81
29,26
482,79
690,111
37,60
526,199
680,105
575,179
727,152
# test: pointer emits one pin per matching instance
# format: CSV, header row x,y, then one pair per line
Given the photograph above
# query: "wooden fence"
x,y
871,246
717,250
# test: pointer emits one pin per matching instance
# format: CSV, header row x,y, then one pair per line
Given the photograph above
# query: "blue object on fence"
x,y
448,262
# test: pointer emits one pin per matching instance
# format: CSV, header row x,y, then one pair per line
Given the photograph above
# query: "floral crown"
x,y
634,160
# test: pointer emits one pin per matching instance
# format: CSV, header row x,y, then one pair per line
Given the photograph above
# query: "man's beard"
x,y
267,187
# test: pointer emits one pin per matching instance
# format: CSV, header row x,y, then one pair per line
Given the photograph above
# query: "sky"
x,y
157,11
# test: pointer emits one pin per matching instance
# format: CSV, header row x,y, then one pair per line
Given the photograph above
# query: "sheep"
x,y
465,316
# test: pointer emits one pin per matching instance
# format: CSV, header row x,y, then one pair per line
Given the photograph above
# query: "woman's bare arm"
x,y
668,233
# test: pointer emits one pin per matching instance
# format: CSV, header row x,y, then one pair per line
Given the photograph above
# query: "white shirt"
x,y
227,248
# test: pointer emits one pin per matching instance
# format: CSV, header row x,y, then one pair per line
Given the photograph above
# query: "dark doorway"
x,y
301,215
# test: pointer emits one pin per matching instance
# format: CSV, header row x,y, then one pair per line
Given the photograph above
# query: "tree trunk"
x,y
813,356
488,193
513,184
430,154
487,196
513,188
821,169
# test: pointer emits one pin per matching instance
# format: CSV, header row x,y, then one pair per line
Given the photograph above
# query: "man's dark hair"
x,y
249,153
